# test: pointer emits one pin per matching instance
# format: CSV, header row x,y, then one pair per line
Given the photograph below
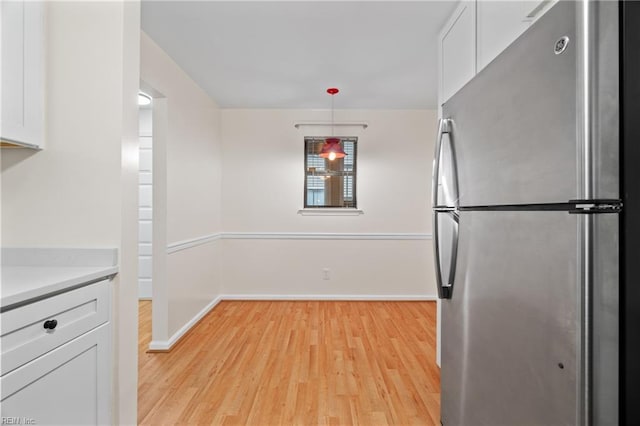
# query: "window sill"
x,y
330,212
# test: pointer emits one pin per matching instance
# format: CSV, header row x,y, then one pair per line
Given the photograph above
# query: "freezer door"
x,y
511,330
517,126
603,301
444,184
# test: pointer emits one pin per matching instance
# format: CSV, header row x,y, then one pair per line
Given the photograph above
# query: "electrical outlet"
x,y
326,275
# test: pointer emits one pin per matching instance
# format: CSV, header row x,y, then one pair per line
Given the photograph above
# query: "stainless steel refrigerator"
x,y
527,203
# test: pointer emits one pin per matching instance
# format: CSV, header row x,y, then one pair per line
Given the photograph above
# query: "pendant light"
x,y
332,148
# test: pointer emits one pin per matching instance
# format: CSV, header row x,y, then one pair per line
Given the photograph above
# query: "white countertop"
x,y
23,283
35,273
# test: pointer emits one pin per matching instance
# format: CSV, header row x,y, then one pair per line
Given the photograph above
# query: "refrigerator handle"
x,y
454,253
443,127
445,290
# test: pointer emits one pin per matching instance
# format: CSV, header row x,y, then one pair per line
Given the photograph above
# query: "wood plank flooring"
x,y
295,363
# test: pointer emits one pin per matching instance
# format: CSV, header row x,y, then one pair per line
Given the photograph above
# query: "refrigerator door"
x,y
511,332
516,126
445,241
603,300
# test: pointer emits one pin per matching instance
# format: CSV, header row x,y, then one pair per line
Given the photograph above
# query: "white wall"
x,y
126,306
69,194
187,194
263,190
72,194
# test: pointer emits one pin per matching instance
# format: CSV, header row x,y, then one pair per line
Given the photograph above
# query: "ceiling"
x,y
268,54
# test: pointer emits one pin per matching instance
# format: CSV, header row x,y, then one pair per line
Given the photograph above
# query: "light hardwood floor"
x,y
295,363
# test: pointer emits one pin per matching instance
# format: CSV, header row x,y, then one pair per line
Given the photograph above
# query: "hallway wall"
x,y
186,196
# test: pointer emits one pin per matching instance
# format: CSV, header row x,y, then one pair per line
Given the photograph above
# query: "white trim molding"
x,y
330,212
193,242
166,345
323,236
144,288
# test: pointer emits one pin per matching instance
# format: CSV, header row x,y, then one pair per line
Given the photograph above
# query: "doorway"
x,y
145,200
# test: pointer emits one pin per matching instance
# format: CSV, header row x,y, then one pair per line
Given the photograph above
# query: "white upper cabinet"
x,y
22,118
499,23
476,33
458,50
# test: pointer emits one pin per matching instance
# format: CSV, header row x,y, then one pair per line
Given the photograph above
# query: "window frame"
x,y
354,207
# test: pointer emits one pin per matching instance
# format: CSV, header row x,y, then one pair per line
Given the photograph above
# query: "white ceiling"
x,y
285,54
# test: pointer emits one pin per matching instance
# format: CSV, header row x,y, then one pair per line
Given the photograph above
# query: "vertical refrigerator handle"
x,y
443,127
445,287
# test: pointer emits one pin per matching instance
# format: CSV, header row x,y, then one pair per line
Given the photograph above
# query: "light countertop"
x,y
23,283
29,274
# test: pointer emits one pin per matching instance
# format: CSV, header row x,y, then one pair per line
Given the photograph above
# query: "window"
x,y
329,183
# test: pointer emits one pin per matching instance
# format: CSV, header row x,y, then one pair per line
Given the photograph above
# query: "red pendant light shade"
x,y
332,148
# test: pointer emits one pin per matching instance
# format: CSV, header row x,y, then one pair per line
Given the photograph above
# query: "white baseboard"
x,y
144,289
166,345
346,297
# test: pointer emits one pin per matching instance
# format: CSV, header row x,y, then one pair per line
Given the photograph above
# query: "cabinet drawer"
x,y
24,337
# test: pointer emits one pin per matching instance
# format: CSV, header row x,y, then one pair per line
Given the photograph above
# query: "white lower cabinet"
x,y
67,385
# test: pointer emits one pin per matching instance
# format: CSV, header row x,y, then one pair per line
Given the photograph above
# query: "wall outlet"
x,y
326,274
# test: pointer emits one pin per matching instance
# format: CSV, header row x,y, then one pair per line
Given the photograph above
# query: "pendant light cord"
x,y
332,131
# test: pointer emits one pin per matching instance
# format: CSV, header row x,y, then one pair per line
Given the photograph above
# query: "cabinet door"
x,y
22,120
67,386
458,50
501,22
